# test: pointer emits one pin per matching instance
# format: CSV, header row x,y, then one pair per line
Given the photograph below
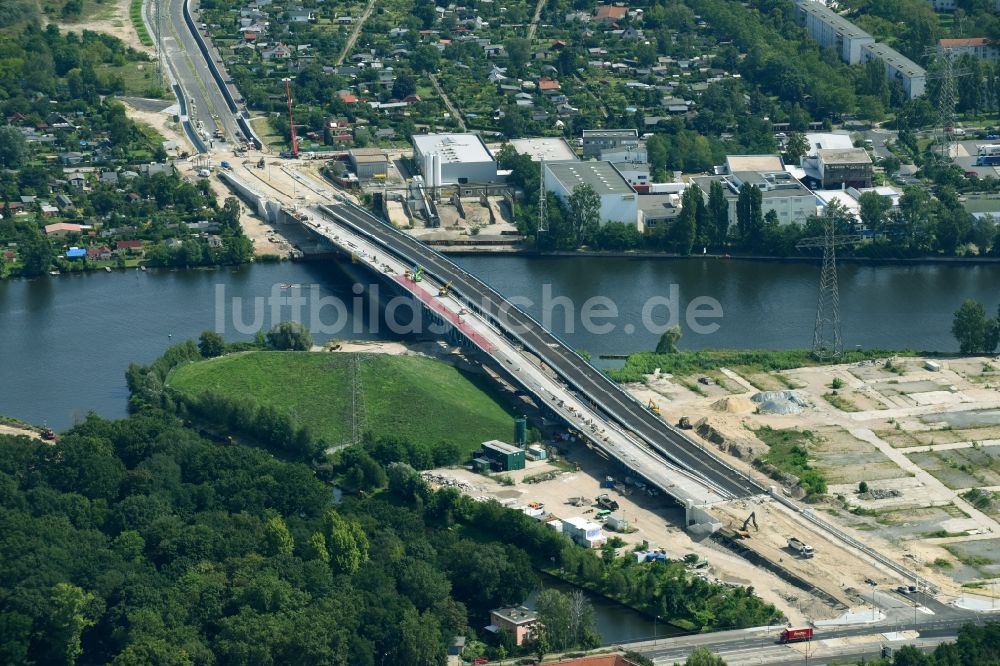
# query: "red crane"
x,y
291,121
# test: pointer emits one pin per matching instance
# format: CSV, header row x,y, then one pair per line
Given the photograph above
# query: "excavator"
x,y
743,532
445,290
653,407
416,274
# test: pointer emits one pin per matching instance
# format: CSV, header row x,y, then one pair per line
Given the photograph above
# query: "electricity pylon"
x,y
828,344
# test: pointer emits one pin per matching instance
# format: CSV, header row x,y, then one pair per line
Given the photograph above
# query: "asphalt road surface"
x,y
605,395
205,101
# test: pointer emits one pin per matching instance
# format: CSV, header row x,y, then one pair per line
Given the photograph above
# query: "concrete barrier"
x,y
242,119
265,208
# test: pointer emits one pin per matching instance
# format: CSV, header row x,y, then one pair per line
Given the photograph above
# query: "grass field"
x,y
415,398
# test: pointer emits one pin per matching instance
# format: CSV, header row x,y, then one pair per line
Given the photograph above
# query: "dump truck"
x,y
795,634
606,502
800,547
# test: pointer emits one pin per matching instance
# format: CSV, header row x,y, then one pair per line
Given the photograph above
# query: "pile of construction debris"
x,y
779,402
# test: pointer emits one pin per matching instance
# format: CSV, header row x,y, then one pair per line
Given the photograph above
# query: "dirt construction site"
x,y
908,452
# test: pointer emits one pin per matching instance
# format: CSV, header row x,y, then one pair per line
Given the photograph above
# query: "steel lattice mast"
x,y
828,342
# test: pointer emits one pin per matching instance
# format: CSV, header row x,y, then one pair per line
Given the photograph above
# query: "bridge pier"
x,y
698,520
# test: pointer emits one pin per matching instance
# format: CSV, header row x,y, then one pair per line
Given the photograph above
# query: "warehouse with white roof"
x,y
447,159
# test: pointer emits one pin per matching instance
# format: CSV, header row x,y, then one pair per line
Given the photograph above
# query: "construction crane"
x,y
291,120
445,290
743,532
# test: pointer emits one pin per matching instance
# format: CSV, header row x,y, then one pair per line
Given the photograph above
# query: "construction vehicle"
x,y
416,274
653,407
260,163
795,634
445,290
605,502
743,532
49,435
684,423
294,153
800,547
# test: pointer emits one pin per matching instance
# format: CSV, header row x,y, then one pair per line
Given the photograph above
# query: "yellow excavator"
x,y
445,290
653,407
743,532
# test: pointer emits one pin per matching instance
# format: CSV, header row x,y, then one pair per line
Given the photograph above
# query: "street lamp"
x,y
874,585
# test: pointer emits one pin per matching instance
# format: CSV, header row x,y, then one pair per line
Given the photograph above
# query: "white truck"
x,y
800,547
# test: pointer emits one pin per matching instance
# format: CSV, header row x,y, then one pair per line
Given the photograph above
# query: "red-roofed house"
x,y
594,660
249,36
412,99
126,245
349,99
103,252
977,47
546,84
9,257
610,13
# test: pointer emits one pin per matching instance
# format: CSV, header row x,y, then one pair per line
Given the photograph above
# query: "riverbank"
x,y
509,251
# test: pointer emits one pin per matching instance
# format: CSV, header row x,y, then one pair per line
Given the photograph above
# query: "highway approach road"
x,y
203,99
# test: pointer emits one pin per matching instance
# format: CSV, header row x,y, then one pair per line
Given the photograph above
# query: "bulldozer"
x,y
743,532
653,407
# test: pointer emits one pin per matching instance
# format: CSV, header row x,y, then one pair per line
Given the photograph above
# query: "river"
x,y
65,341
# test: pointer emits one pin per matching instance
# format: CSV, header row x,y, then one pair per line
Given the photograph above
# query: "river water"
x,y
65,341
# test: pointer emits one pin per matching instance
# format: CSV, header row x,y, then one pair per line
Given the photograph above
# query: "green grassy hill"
x,y
415,398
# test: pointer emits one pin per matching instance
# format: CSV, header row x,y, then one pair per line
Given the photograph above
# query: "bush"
x,y
289,335
863,487
837,383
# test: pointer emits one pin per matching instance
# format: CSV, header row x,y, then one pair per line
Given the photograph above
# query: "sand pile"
x,y
734,404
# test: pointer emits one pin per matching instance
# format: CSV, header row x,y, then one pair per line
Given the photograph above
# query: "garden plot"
x,y
976,371
821,382
976,559
970,467
984,418
932,430
911,522
843,458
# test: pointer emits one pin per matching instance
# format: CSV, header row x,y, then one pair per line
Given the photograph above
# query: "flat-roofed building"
x,y
618,199
832,30
824,140
550,149
791,201
657,210
735,163
594,141
502,457
519,621
898,67
584,532
369,162
843,167
447,159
